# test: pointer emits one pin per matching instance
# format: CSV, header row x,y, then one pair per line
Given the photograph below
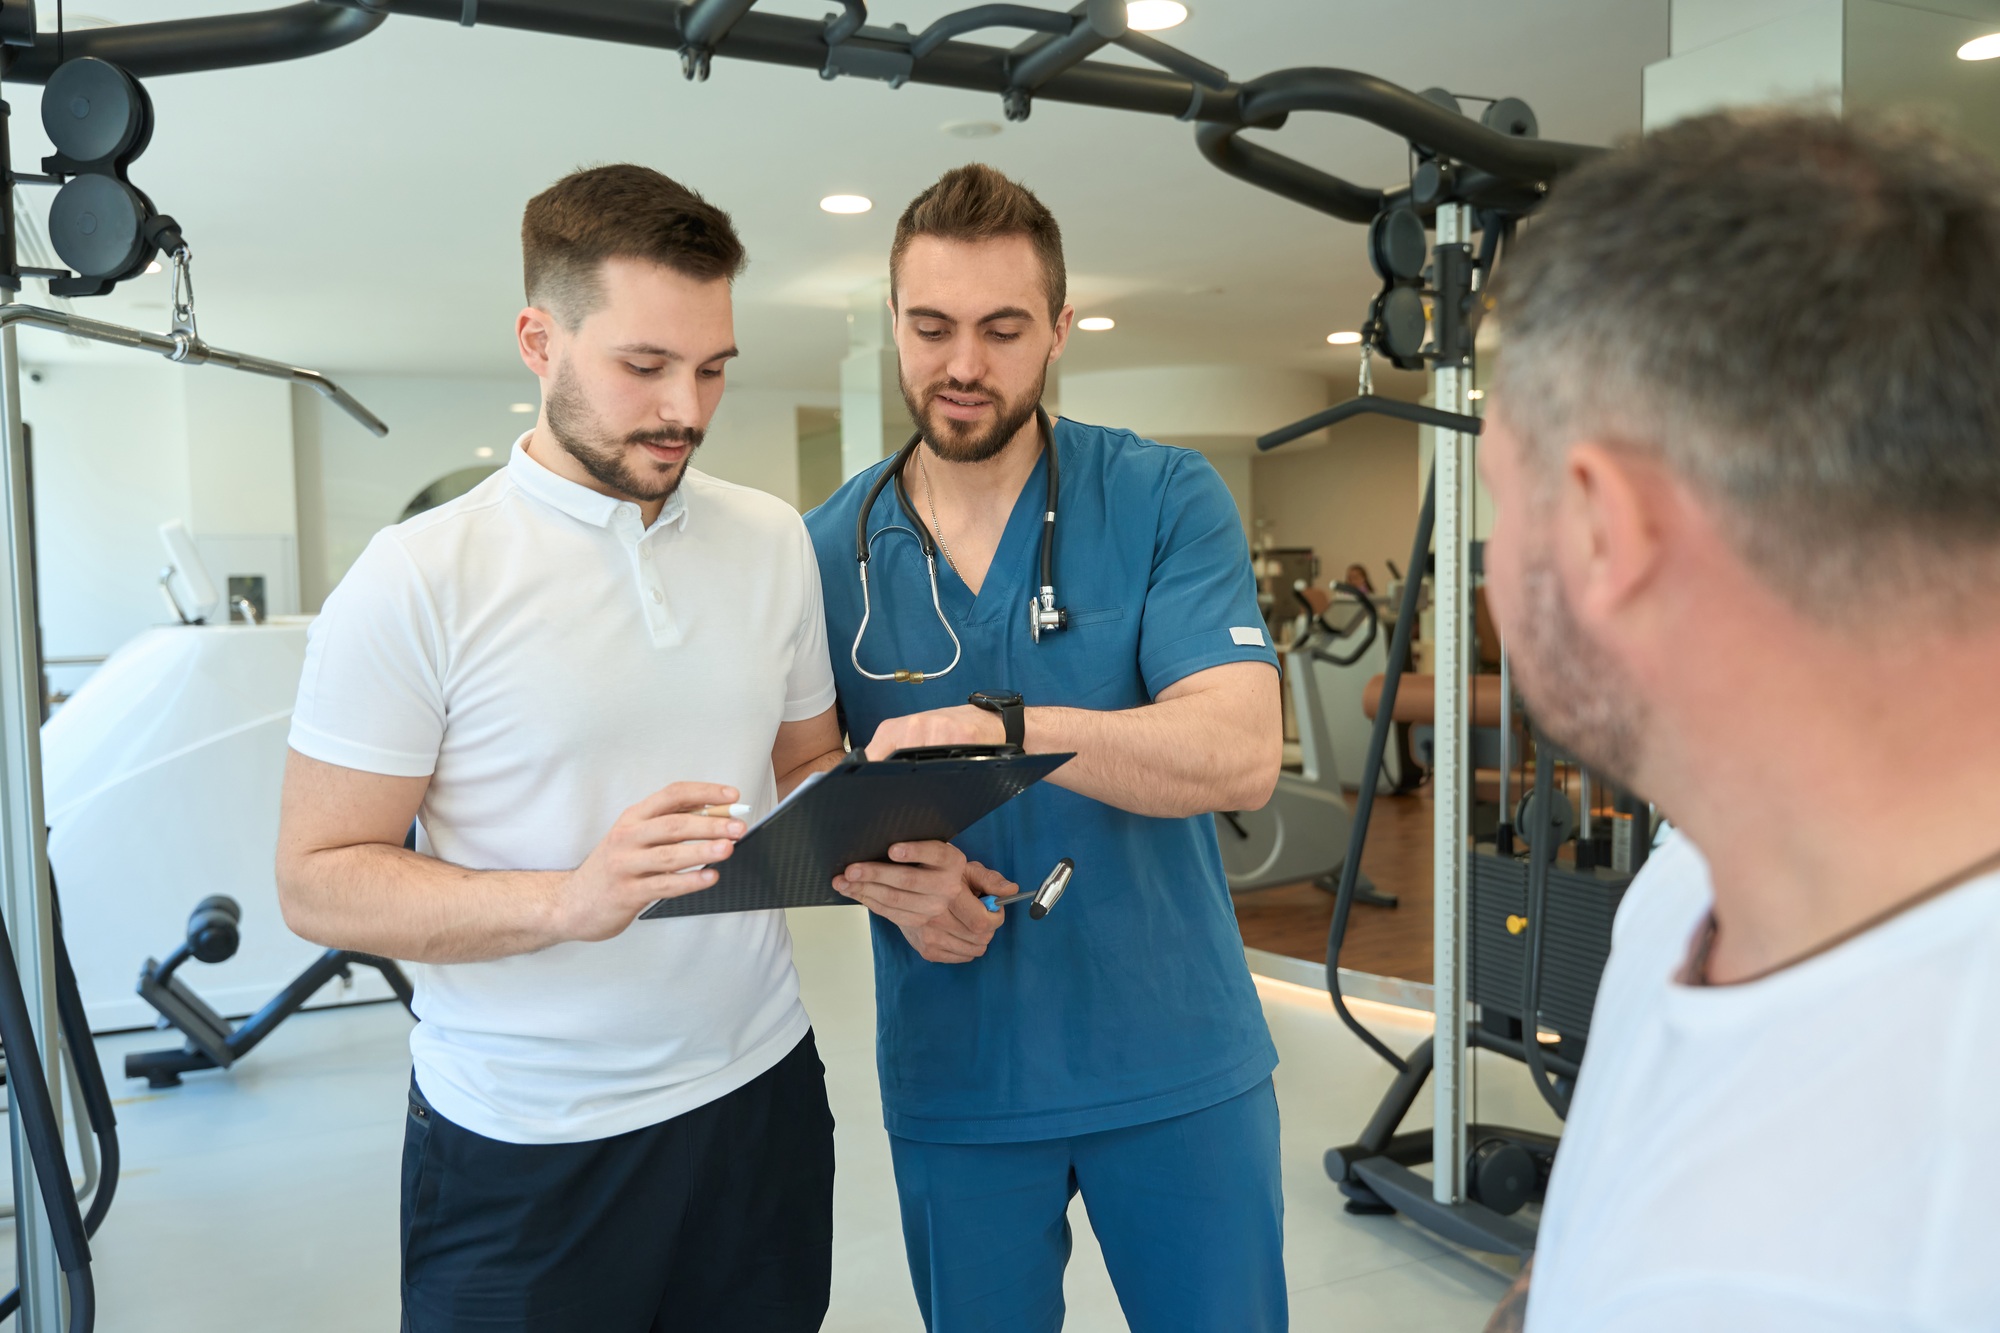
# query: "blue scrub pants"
x,y
1188,1211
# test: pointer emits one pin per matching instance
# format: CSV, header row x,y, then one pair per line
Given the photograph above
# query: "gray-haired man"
x,y
1745,454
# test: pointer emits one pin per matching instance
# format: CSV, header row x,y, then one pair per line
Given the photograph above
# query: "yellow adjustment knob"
x,y
1516,924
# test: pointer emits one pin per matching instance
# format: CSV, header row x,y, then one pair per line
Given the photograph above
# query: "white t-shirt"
x,y
548,663
1811,1152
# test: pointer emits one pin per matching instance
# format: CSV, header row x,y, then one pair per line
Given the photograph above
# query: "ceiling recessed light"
x,y
482,452
1096,324
520,407
1345,339
1981,48
1475,394
1153,15
971,129
846,203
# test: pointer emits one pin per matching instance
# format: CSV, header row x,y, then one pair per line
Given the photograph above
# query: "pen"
x,y
1042,900
740,810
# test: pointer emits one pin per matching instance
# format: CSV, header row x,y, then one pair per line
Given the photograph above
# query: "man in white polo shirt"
x,y
615,1125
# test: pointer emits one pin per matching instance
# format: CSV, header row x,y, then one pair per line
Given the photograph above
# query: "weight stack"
x,y
1576,939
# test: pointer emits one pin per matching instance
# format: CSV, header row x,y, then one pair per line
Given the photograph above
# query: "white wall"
x,y
1191,401
124,443
352,484
242,497
754,439
1350,500
110,453
1220,410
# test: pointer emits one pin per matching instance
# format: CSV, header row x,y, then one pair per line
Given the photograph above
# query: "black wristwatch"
x,y
1006,703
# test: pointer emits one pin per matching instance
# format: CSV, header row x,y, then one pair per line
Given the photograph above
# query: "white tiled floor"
x,y
264,1198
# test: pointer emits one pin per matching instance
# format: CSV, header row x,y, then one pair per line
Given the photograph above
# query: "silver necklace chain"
x,y
930,498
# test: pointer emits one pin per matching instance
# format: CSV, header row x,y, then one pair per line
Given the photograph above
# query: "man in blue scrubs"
x,y
1115,1048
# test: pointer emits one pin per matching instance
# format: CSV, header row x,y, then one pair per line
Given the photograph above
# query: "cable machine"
x,y
1471,178
105,230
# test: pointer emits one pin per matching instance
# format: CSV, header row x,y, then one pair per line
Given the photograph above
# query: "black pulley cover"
x,y
1501,1175
1445,98
1511,116
95,113
98,226
1397,244
1431,183
1402,322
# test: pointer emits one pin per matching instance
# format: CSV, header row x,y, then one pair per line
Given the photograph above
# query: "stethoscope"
x,y
1044,616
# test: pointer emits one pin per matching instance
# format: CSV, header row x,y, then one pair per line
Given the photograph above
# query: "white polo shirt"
x,y
548,661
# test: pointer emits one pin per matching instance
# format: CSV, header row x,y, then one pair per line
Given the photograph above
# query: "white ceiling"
x,y
359,211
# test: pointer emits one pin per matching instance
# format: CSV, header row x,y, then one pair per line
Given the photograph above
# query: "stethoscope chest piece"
x,y
1044,616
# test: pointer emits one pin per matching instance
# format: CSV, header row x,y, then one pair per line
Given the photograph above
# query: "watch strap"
x,y
1012,713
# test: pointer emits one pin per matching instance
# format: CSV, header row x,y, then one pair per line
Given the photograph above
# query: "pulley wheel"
x,y
1403,323
98,226
1501,1175
1397,244
1445,98
1513,117
95,112
1528,818
1431,183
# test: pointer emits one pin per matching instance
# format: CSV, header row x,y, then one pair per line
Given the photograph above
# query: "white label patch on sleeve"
x,y
1248,636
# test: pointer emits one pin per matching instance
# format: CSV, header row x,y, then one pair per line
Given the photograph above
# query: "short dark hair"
x,y
1800,316
977,203
618,212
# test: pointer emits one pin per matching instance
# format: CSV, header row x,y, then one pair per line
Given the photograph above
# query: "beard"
x,y
963,441
609,457
1581,699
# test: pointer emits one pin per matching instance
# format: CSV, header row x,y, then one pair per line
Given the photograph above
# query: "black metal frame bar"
x,y
1053,64
187,46
29,1092
1050,66
1370,404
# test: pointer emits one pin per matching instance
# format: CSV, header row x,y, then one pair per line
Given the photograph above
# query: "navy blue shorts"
x,y
721,1218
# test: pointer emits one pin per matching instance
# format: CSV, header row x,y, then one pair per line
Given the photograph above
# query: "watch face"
x,y
995,698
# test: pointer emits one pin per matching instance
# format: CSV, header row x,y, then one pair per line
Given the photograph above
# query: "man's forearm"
x,y
1511,1315
818,764
392,902
1170,759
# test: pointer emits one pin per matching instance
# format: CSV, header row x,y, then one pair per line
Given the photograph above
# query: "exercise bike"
x,y
214,930
1301,833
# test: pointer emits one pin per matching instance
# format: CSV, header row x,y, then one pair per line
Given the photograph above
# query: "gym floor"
x,y
1293,918
266,1197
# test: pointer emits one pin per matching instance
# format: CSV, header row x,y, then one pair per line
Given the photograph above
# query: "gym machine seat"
x,y
1416,701
214,929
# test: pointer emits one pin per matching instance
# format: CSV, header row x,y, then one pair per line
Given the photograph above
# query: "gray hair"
x,y
1800,317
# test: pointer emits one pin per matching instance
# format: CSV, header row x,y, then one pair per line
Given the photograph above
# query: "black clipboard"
x,y
856,812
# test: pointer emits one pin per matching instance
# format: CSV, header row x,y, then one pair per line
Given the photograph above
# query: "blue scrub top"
x,y
1131,1001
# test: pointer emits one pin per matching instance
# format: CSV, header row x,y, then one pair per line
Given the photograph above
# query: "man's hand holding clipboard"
x,y
931,893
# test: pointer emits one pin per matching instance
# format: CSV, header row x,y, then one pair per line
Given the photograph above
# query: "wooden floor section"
x,y
1392,942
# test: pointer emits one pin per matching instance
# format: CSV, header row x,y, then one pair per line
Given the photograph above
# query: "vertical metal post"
x,y
1451,773
24,865
1506,737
